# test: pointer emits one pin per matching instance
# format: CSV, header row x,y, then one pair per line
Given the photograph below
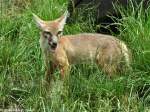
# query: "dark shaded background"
x,y
101,9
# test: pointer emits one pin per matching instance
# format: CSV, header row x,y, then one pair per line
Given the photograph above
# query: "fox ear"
x,y
39,22
62,20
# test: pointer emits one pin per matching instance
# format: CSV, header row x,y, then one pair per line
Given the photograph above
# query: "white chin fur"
x,y
52,50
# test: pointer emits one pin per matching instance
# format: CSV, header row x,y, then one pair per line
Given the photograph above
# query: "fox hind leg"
x,y
106,66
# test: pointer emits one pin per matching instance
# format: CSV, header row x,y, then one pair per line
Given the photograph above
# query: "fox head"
x,y
50,31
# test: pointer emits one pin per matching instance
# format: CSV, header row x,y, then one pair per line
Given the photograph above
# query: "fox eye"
x,y
59,33
47,34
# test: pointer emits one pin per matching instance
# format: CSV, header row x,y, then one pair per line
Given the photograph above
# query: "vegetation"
x,y
89,90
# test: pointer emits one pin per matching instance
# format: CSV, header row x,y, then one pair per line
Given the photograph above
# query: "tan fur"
x,y
105,50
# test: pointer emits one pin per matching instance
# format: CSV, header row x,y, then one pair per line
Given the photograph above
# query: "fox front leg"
x,y
49,72
64,68
64,71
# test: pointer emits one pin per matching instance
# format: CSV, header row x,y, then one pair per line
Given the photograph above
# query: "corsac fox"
x,y
108,52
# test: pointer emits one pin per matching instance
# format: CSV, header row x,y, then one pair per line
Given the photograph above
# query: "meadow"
x,y
89,90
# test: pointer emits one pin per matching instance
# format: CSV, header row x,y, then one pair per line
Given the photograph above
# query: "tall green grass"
x,y
22,68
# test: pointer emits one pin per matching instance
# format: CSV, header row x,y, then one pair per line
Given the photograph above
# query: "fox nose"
x,y
54,45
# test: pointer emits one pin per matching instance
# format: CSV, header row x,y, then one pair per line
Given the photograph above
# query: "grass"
x,y
22,70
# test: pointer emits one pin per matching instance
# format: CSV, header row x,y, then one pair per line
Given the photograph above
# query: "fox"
x,y
60,51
